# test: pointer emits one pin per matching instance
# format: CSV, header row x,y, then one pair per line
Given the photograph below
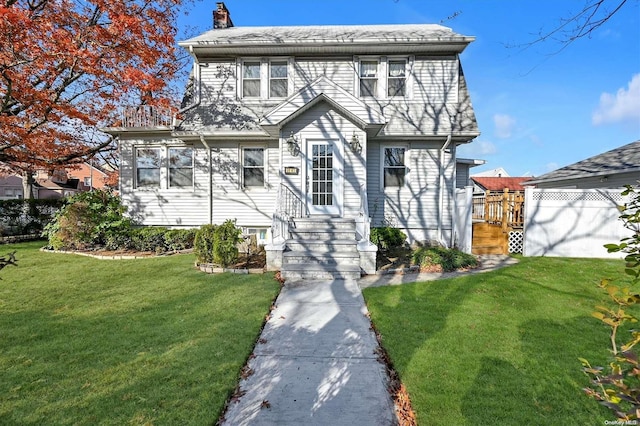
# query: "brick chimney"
x,y
221,17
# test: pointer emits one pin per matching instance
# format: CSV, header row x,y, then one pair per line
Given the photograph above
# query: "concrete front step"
x,y
320,272
324,246
321,258
323,234
323,223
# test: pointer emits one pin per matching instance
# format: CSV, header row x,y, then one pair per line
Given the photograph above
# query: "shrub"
x,y
225,243
179,239
387,237
448,259
149,238
203,244
88,219
19,217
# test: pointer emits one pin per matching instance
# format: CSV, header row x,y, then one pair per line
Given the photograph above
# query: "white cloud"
x,y
504,125
623,106
552,166
477,149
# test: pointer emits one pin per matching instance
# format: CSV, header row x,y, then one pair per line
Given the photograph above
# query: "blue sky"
x,y
538,109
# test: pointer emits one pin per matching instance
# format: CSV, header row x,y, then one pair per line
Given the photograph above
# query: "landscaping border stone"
x,y
212,269
116,256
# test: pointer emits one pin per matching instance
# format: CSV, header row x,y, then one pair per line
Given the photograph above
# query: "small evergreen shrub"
x,y
448,259
179,239
203,244
225,243
149,238
387,237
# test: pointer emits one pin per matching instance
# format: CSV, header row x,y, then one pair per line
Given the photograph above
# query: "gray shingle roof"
x,y
322,34
620,160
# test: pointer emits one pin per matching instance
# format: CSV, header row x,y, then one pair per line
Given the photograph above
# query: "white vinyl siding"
x,y
338,70
250,207
162,206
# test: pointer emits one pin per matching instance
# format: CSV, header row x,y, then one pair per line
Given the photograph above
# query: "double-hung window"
x,y
253,167
180,167
394,168
278,79
251,79
368,78
396,78
148,163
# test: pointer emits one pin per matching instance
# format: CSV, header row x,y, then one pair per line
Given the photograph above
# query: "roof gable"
x,y
323,90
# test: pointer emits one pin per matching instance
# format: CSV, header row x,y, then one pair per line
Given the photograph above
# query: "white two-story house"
x,y
296,130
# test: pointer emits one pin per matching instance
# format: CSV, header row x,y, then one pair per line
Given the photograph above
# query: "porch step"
x,y
323,233
323,245
324,223
320,272
322,258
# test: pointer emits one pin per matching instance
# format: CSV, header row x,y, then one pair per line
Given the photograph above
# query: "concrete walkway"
x,y
315,363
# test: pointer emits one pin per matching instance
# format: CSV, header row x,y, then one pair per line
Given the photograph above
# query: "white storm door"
x,y
324,178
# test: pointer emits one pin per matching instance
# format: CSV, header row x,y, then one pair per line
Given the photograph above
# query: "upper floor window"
x,y
368,78
148,162
251,79
396,78
87,181
253,167
394,168
180,167
278,79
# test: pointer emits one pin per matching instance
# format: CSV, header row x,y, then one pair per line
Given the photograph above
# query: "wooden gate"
x,y
495,214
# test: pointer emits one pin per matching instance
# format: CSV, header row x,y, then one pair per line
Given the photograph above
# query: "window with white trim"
x,y
251,79
87,181
368,78
180,167
394,167
278,79
396,78
253,167
148,163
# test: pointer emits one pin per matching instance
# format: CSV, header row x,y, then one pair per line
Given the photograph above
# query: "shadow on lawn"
x,y
547,388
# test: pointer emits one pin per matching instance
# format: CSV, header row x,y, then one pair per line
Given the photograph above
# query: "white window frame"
x,y
164,167
287,78
406,166
259,79
405,77
265,77
169,167
382,89
375,60
136,167
241,166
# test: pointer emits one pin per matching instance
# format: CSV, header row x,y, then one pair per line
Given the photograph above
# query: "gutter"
x,y
209,159
441,189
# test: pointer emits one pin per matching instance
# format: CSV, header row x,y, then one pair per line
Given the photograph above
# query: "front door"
x,y
324,178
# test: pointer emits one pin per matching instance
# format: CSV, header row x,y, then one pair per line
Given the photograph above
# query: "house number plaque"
x,y
291,170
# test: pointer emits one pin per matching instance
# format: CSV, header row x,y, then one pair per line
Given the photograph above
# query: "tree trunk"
x,y
27,185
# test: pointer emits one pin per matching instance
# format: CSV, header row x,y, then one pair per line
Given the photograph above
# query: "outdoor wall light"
x,y
355,143
292,144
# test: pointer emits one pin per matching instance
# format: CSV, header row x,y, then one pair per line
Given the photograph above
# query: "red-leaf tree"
x,y
68,66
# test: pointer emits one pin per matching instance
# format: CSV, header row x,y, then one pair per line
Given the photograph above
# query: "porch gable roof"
x,y
323,90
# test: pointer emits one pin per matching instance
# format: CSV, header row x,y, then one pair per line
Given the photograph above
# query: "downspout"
x,y
441,189
454,198
209,159
198,91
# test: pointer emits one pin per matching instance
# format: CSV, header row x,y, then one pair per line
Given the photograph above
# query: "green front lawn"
x,y
152,341
500,347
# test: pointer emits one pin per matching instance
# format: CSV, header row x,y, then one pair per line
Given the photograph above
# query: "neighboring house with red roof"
x,y
483,184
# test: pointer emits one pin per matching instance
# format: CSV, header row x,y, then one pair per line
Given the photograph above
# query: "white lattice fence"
x,y
516,241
